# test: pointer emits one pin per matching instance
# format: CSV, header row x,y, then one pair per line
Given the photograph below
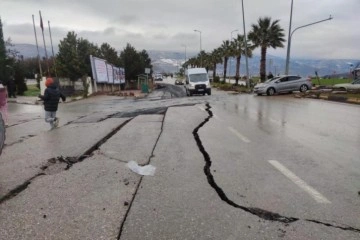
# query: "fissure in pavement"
x,y
50,168
18,189
264,214
141,178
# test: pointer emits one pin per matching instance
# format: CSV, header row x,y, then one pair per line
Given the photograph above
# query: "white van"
x,y
197,81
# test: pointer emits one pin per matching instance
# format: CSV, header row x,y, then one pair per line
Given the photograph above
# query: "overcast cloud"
x,y
168,24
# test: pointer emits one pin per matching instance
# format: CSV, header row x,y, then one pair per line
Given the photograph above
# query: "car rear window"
x,y
292,78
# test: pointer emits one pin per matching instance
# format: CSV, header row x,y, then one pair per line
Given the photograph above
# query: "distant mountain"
x,y
170,62
30,51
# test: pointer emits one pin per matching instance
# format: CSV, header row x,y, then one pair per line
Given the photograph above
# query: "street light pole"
x,y
200,47
289,41
246,51
230,42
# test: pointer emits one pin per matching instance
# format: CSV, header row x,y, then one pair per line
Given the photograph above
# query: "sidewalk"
x,y
25,100
37,101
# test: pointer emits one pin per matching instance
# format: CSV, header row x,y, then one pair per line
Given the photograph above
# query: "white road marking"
x,y
299,182
239,135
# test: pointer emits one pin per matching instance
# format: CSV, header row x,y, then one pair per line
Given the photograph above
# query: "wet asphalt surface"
x,y
228,167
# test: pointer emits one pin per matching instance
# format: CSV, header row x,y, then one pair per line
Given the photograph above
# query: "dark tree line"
x,y
72,61
11,65
73,58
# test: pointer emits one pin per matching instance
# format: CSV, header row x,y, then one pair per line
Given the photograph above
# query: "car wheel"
x,y
270,91
209,92
259,94
342,89
303,88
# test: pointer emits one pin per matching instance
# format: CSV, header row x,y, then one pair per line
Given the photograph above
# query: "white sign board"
x,y
116,75
122,75
110,73
147,70
100,70
106,73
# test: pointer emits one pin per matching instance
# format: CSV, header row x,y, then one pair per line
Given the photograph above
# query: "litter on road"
x,y
147,170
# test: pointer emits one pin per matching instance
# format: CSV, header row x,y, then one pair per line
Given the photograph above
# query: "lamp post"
x,y
289,41
246,51
236,30
200,47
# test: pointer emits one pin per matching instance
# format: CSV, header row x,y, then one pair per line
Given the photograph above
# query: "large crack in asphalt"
x,y
141,178
264,214
14,192
261,213
60,163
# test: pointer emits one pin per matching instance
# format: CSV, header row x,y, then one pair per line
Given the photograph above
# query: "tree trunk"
x,y
225,67
263,64
237,69
214,72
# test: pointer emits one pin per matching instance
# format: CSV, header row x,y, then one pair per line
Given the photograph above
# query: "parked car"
x,y
283,84
158,77
179,82
348,86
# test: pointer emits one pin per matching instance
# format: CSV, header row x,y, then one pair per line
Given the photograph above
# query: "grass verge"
x,y
32,91
229,87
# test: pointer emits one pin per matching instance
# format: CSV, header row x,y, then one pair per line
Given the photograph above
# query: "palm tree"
x,y
215,58
264,35
226,52
205,59
192,62
239,50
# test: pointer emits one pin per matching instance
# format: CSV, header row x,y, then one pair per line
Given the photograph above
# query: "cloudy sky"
x,y
169,24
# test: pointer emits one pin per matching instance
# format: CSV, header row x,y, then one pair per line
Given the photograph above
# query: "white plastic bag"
x,y
147,170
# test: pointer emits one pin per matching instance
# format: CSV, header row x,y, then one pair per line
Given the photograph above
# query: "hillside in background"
x,y
170,62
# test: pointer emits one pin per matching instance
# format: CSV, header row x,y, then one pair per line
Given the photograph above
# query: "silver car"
x,y
348,86
283,84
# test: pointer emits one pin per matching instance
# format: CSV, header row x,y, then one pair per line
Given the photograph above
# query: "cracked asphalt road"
x,y
214,179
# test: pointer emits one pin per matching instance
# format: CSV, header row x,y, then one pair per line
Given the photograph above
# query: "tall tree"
x,y
266,34
67,59
109,54
2,55
130,59
216,58
240,50
84,50
206,60
145,61
192,62
226,52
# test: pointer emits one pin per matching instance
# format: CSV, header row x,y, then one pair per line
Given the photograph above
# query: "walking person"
x,y
51,100
3,104
11,87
